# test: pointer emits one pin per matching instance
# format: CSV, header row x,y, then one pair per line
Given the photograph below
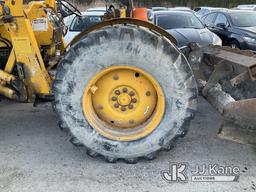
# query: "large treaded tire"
x,y
131,46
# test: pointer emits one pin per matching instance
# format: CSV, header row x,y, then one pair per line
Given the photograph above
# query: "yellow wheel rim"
x,y
123,103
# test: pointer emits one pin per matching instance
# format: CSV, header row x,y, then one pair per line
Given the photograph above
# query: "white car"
x,y
68,20
251,7
97,9
80,24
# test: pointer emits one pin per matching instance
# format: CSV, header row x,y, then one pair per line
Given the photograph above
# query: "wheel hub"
x,y
124,99
123,102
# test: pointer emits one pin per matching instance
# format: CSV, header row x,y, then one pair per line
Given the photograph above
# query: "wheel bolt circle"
x,y
117,92
134,100
131,93
130,106
120,99
125,90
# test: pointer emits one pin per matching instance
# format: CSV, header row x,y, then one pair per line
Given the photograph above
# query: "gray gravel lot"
x,y
35,156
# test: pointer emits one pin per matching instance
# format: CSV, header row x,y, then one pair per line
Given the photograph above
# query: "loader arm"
x,y
30,32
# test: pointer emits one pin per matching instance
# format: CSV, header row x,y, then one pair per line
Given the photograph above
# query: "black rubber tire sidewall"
x,y
129,46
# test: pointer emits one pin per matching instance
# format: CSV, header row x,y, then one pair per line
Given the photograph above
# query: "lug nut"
x,y
148,93
117,92
114,98
116,105
130,106
134,100
131,93
125,90
116,77
123,108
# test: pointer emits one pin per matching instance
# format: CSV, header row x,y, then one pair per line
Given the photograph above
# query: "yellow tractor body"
x,y
30,31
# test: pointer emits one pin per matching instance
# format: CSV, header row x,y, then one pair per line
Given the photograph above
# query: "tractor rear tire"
x,y
125,45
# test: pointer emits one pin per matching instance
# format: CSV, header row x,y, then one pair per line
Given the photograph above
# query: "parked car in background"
x,y
202,11
80,24
251,7
185,27
236,28
150,14
151,11
158,8
97,9
68,20
180,9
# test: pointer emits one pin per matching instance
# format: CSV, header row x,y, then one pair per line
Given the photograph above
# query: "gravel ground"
x,y
35,156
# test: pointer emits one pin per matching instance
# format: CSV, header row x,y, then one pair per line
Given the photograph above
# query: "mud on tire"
x,y
126,45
